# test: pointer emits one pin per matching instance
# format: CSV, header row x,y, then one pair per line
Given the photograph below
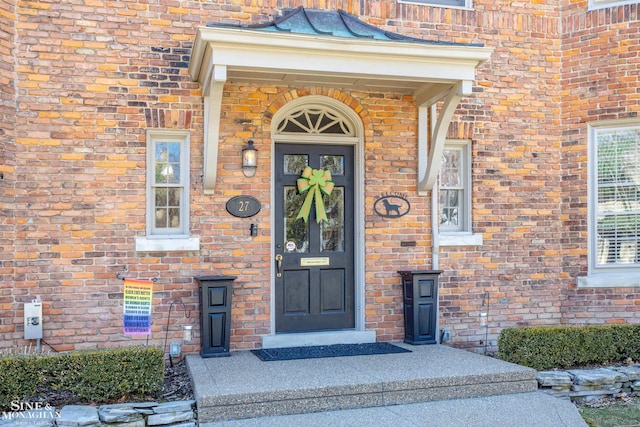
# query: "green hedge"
x,y
569,346
90,375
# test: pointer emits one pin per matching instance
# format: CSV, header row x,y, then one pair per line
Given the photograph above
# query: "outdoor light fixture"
x,y
187,336
187,332
249,160
484,315
483,318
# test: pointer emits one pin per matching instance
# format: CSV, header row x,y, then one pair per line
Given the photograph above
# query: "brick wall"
x,y
7,158
601,79
92,78
513,121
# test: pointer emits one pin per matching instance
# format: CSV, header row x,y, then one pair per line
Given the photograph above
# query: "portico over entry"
x,y
317,47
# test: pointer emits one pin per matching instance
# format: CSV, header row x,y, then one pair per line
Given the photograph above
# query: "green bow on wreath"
x,y
315,182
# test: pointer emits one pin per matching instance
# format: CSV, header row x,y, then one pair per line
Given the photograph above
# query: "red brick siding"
x,y
600,81
93,78
7,159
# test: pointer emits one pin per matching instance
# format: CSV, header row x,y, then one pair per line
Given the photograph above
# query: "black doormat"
x,y
337,350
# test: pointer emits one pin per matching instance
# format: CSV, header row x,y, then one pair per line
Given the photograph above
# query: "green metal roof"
x,y
330,23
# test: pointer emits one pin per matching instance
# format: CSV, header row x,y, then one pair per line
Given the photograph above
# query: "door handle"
x,y
279,265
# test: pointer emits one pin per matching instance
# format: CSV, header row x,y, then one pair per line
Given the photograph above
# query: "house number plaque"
x,y
243,206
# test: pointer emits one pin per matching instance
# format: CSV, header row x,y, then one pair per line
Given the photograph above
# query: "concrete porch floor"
x,y
244,388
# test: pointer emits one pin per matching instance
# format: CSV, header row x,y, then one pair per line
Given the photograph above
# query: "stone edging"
x,y
175,414
590,384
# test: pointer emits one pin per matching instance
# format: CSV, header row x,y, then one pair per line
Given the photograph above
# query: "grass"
x,y
623,412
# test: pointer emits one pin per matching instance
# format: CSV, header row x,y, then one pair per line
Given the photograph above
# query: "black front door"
x,y
314,261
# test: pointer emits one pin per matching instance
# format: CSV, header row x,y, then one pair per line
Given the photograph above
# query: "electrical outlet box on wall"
x,y
33,320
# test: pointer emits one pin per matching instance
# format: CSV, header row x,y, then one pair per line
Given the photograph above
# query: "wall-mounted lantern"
x,y
249,160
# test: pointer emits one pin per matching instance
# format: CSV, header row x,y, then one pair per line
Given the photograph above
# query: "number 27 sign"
x,y
243,206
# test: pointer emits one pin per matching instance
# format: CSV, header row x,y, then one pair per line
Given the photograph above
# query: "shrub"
x,y
19,377
90,375
564,347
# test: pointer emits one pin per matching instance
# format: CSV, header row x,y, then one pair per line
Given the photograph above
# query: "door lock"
x,y
279,265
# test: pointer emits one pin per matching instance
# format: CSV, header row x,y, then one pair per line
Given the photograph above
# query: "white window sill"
x,y
160,244
610,280
601,4
460,239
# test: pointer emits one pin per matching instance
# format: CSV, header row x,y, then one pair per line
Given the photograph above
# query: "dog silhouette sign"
x,y
391,206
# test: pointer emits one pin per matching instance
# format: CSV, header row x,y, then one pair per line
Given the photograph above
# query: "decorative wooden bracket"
x,y
212,110
429,168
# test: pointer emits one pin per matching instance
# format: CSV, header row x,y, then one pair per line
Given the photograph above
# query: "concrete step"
x,y
535,409
242,386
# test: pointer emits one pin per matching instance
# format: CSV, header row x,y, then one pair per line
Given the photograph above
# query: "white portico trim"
x,y
430,72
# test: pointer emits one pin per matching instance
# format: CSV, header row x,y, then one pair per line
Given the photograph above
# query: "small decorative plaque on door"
x,y
243,206
314,262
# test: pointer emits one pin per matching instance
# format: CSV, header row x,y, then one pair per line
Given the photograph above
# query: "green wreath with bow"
x,y
316,183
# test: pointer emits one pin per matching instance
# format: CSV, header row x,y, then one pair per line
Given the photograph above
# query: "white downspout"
x,y
435,228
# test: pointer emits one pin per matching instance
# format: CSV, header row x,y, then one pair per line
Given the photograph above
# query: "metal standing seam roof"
x,y
331,23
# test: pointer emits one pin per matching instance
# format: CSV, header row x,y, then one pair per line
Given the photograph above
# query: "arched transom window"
x,y
315,120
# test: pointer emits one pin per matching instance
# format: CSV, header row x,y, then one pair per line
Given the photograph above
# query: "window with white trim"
x,y
455,196
601,4
455,183
466,4
167,192
614,199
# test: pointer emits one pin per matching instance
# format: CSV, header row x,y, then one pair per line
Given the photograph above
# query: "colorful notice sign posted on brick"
x,y
138,295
